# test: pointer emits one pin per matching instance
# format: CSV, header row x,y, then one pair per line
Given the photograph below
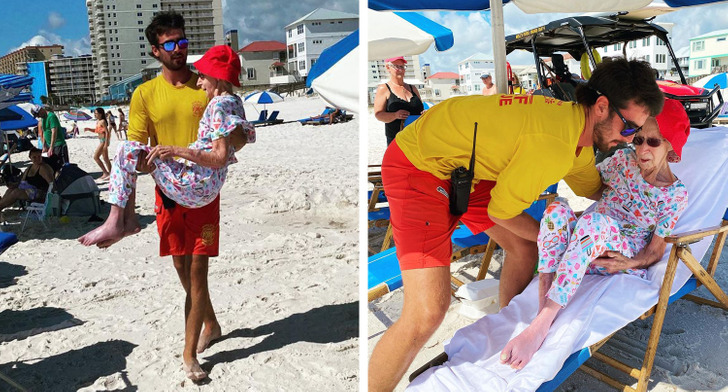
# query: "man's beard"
x,y
601,130
169,62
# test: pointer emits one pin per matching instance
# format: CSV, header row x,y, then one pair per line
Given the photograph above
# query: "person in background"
x,y
102,150
489,87
123,124
111,122
54,136
33,184
396,100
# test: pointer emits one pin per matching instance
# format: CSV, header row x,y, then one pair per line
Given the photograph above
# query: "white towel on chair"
x,y
601,306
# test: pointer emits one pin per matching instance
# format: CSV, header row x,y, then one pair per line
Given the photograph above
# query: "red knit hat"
x,y
674,125
220,62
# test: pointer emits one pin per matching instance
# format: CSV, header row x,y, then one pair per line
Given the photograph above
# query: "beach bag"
x,y
74,193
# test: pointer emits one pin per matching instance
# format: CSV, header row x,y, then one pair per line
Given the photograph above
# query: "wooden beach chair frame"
x,y
680,252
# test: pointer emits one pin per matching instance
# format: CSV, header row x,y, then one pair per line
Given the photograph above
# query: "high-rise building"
x,y
231,40
72,79
119,46
16,61
308,36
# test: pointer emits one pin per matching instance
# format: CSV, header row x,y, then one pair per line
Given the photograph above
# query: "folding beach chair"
x,y
383,271
603,304
261,118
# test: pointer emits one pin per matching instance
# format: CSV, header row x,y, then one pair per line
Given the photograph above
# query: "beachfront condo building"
x,y
119,47
309,35
262,61
470,71
708,53
16,61
72,79
413,74
441,86
651,50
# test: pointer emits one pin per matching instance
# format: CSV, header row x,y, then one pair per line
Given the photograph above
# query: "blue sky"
x,y
471,31
43,22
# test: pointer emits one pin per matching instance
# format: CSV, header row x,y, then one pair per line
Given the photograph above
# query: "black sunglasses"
x,y
169,45
629,128
651,141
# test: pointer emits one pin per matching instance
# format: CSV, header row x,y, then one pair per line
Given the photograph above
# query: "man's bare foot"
x,y
104,177
131,225
519,350
194,371
208,336
109,231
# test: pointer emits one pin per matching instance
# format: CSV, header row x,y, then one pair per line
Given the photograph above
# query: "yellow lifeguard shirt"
x,y
525,143
161,113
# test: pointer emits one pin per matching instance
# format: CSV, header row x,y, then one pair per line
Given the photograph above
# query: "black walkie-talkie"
x,y
461,180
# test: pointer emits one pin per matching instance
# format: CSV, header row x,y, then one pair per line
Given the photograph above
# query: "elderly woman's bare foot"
x,y
111,230
208,336
193,370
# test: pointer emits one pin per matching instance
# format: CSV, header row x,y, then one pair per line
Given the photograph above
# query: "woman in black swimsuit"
x,y
34,183
396,100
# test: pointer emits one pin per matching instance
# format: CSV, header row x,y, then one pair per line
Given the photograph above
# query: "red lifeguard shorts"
x,y
420,211
188,231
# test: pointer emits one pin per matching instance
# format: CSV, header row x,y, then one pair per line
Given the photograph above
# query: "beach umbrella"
x,y
331,75
720,79
394,34
13,117
531,7
264,98
427,105
77,115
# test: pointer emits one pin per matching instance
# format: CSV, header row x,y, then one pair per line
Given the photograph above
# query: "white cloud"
x,y
265,20
473,34
70,47
55,20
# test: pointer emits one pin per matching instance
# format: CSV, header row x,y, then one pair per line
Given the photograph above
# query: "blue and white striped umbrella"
x,y
333,76
263,97
393,34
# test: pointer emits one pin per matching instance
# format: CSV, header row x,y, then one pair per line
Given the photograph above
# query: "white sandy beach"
x,y
284,286
693,349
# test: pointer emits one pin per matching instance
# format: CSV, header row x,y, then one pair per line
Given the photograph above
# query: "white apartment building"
x,y
441,86
72,78
707,52
651,50
308,36
683,60
470,71
119,46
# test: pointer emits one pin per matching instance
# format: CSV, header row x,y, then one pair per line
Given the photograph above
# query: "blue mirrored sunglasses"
x,y
629,128
169,45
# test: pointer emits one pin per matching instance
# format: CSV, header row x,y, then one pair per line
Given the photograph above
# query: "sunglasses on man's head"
x,y
651,141
169,45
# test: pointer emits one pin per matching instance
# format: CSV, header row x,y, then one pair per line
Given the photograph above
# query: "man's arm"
x,y
138,119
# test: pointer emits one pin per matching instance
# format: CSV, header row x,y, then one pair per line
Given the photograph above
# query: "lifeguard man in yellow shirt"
x,y
524,144
167,111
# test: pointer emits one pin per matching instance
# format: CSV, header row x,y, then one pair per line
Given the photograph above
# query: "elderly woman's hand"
x,y
614,262
161,152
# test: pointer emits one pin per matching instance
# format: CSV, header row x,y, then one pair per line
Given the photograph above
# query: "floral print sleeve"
x,y
223,119
673,204
609,167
